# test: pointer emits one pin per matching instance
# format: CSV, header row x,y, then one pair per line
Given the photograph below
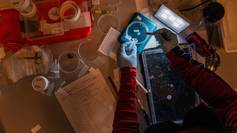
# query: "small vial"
x,y
40,83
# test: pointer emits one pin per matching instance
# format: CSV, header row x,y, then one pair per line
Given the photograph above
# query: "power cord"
x,y
191,8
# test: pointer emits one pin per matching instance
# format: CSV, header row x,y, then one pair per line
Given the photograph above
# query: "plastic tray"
x,y
10,27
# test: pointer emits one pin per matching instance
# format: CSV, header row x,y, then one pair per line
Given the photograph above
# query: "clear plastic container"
x,y
229,27
71,66
69,62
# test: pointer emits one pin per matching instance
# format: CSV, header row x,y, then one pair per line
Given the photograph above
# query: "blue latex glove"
x,y
128,55
167,39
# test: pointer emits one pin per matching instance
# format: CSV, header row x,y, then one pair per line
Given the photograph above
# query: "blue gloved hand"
x,y
167,39
128,55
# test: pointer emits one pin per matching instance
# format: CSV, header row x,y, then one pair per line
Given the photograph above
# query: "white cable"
x,y
20,5
30,14
69,5
26,7
53,14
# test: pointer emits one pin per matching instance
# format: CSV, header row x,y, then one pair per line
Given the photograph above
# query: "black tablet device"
x,y
169,96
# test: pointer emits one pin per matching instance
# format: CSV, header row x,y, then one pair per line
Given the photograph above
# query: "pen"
x,y
145,115
141,86
113,85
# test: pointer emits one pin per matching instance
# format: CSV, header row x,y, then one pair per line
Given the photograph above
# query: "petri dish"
x,y
106,21
87,50
71,66
69,62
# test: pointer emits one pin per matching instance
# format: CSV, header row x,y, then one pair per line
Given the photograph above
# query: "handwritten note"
x,y
88,103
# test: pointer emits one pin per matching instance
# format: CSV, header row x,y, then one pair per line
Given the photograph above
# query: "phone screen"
x,y
171,19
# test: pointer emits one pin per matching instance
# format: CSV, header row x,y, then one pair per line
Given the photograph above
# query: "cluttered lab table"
x,y
80,55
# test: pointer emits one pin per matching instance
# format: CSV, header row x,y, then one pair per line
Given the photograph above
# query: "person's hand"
x,y
128,55
166,38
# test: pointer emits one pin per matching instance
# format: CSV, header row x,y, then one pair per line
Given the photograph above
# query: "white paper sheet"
x,y
110,44
88,104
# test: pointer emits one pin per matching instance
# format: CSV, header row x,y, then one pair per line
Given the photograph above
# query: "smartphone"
x,y
171,19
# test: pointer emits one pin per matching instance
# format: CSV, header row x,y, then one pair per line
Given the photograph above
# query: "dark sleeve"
x,y
126,120
210,87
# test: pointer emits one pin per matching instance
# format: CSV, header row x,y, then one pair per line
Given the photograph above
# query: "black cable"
x,y
189,9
